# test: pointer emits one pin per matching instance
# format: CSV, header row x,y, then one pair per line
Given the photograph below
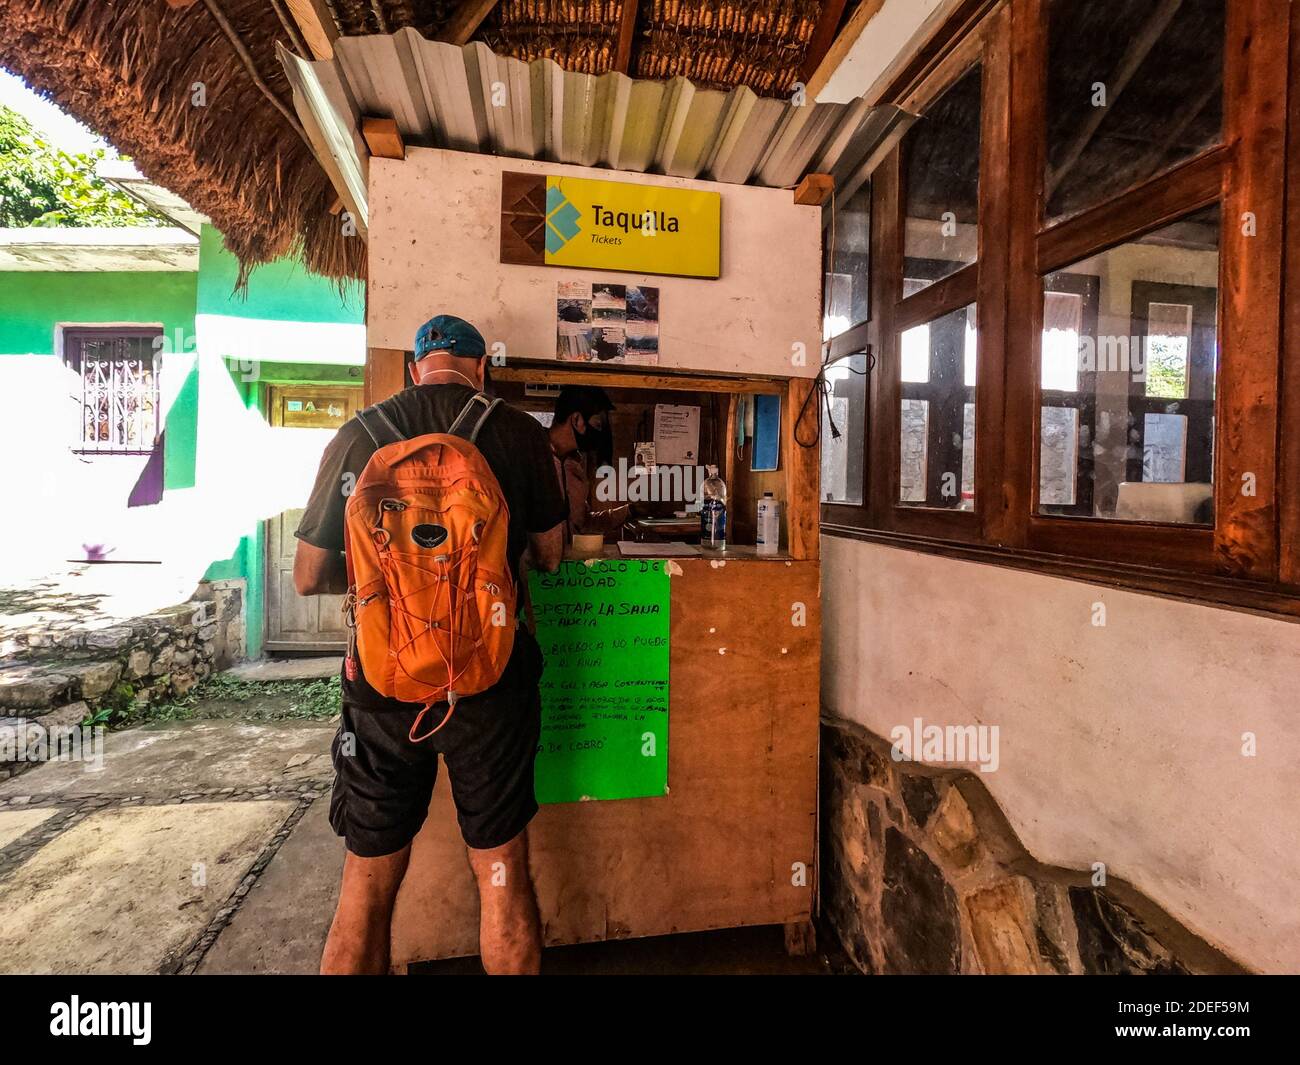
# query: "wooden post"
x,y
802,473
385,373
727,467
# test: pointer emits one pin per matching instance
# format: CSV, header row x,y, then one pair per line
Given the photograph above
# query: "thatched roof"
x,y
130,69
717,44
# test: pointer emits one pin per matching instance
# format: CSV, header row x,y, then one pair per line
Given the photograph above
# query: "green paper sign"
x,y
603,630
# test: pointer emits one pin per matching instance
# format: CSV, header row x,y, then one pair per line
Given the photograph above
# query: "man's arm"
x,y
318,564
546,549
317,571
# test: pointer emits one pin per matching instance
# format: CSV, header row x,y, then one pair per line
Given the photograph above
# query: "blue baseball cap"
x,y
449,334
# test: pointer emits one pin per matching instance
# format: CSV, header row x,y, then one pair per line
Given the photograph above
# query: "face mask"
x,y
597,441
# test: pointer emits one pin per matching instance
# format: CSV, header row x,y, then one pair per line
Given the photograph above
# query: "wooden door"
x,y
295,622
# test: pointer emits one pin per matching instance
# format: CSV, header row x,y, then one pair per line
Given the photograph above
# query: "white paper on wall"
x,y
677,434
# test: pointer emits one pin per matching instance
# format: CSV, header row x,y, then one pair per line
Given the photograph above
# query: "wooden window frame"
x,y
982,283
857,339
1251,555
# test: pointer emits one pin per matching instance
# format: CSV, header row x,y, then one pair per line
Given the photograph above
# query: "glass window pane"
x,y
1129,359
937,412
1062,323
842,456
848,258
1058,470
1169,333
1133,89
941,167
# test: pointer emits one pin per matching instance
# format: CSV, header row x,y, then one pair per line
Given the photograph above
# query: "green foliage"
x,y
1166,368
115,708
101,717
40,185
223,696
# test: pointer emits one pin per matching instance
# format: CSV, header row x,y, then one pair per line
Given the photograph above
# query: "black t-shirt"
x,y
514,444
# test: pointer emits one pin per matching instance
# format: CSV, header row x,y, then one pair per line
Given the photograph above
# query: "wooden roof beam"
x,y
1149,162
627,35
822,39
469,16
815,76
316,25
1139,48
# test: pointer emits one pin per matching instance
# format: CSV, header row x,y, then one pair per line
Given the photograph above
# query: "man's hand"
x,y
546,550
319,572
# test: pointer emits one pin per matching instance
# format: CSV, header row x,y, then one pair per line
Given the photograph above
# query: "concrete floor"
x,y
281,926
206,847
313,668
128,888
136,862
176,759
16,823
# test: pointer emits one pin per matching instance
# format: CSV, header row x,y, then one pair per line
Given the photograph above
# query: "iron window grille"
x,y
118,370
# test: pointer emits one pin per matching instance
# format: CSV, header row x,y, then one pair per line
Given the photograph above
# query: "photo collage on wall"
x,y
607,323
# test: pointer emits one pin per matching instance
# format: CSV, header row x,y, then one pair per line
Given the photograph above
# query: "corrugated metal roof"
x,y
469,99
122,174
120,248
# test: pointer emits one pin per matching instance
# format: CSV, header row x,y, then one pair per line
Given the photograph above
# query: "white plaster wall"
x,y
435,248
1119,744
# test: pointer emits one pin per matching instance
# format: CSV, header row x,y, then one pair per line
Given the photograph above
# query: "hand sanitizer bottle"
x,y
769,525
713,512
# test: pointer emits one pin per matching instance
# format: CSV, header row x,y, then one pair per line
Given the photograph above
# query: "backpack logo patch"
x,y
429,535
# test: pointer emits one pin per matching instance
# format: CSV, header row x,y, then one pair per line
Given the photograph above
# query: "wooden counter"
x,y
733,843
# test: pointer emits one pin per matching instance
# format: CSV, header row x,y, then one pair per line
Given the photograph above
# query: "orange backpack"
x,y
431,598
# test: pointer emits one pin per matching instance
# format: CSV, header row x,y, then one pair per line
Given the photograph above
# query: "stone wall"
x,y
921,873
59,676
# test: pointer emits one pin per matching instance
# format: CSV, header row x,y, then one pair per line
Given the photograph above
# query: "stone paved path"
x,y
141,865
205,847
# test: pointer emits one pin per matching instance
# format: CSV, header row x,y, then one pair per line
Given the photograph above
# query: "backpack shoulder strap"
x,y
478,403
379,425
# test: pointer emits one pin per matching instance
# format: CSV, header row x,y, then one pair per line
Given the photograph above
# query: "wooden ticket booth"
x,y
729,836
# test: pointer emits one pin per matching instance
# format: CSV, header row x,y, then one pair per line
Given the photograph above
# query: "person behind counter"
x,y
383,784
582,438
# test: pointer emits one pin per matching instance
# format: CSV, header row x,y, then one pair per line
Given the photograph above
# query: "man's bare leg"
x,y
360,936
509,929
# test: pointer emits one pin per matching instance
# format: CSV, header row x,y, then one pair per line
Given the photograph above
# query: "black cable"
x,y
821,387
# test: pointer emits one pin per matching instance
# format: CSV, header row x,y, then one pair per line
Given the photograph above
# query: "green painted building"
x,y
173,419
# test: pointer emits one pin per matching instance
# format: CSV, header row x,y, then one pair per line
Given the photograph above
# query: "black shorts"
x,y
382,789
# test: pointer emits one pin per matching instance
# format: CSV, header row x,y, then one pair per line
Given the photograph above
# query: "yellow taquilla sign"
x,y
643,229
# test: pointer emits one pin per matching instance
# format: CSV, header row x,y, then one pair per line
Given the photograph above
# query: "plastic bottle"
x,y
713,512
769,525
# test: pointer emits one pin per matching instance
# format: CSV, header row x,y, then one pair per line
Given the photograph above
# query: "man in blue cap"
x,y
384,781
